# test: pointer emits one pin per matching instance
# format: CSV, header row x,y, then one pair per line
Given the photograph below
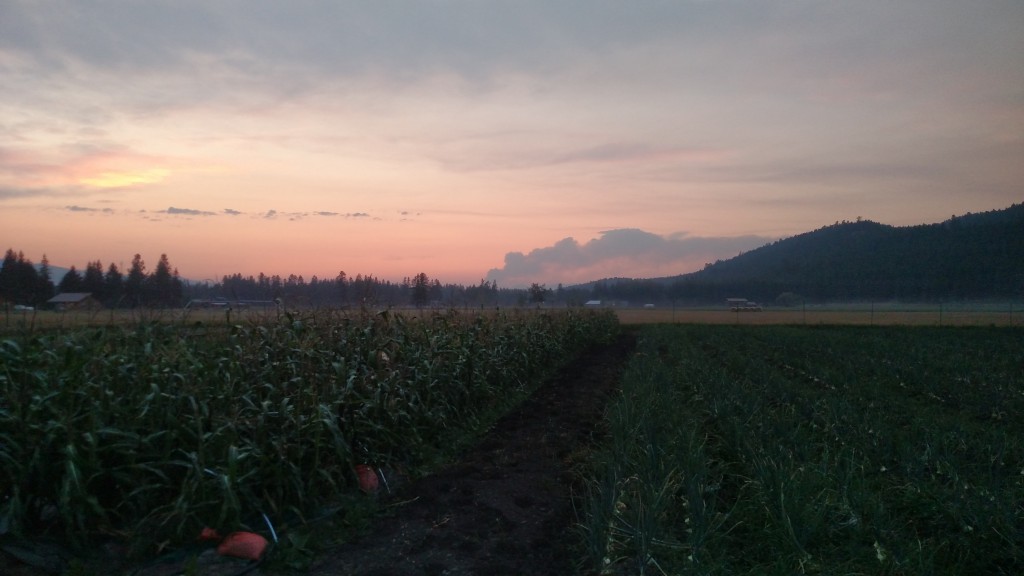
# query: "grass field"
x,y
863,315
21,321
887,314
48,319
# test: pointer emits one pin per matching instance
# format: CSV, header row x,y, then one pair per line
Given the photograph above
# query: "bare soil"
x,y
506,506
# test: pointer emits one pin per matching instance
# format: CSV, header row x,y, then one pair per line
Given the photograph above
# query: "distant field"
x,y
980,315
48,319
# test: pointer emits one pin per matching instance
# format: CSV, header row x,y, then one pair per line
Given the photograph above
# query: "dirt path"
x,y
505,508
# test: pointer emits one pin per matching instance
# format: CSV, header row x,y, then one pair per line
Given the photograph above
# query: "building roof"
x,y
69,298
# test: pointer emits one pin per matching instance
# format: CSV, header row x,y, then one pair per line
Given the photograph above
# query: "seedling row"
x,y
781,450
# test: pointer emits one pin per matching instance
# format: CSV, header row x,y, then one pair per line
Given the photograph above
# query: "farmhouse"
x,y
74,301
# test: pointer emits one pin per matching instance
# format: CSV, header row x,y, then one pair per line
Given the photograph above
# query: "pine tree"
x,y
8,275
92,280
161,284
177,293
113,285
342,282
135,284
420,290
45,288
71,282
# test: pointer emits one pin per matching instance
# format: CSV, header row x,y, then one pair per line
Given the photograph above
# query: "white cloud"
x,y
627,253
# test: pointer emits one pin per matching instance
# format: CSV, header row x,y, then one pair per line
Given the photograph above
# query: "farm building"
x,y
74,301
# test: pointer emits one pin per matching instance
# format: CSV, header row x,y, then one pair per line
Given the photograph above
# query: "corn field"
x,y
154,430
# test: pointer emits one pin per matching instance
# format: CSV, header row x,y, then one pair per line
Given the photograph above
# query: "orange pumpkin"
x,y
248,545
368,481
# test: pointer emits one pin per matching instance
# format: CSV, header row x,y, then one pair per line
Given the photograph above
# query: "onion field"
x,y
813,450
147,433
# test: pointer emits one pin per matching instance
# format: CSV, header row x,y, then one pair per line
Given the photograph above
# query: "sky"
x,y
516,141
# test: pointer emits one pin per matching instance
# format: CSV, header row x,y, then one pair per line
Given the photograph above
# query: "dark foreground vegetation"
x,y
825,450
725,450
142,435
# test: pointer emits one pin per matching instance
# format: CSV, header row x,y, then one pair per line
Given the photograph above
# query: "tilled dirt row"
x,y
505,507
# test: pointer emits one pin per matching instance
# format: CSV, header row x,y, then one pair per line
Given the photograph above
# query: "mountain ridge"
x,y
975,255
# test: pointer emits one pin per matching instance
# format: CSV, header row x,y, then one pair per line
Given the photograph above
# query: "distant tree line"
x,y
975,256
346,291
419,290
24,283
21,282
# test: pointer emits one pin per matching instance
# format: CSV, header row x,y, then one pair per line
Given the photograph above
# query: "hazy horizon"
x,y
514,141
567,254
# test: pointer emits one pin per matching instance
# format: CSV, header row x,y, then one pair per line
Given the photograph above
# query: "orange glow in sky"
x,y
263,137
122,179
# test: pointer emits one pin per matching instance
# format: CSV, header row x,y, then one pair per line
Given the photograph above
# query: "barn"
x,y
74,301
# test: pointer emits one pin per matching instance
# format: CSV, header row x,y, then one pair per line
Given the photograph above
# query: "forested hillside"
x,y
974,256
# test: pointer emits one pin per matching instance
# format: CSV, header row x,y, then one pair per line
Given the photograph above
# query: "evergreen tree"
x,y
19,280
71,282
45,288
8,275
177,293
420,290
436,291
160,285
92,280
366,289
342,283
113,285
135,284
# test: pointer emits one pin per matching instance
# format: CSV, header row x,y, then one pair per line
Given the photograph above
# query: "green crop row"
x,y
152,431
781,450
